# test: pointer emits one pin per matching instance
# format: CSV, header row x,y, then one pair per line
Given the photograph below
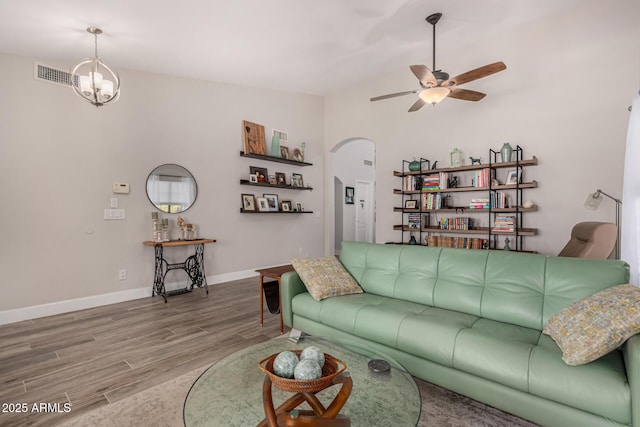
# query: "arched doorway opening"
x,y
354,177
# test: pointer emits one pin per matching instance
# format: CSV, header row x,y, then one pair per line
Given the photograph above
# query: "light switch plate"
x,y
120,188
114,203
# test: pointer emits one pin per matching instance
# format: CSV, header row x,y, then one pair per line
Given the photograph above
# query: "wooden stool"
x,y
287,416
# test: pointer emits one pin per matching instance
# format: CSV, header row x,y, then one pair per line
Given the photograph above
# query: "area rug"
x,y
161,406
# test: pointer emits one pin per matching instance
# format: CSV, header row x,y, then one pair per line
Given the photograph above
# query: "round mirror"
x,y
171,188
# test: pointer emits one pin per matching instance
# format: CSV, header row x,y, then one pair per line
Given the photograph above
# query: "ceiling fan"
x,y
436,85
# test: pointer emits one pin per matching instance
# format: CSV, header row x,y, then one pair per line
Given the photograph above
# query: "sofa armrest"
x,y
290,286
631,351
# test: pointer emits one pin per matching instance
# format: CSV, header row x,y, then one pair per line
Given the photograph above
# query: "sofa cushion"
x,y
381,322
599,387
341,312
514,288
402,272
325,277
496,351
432,333
597,324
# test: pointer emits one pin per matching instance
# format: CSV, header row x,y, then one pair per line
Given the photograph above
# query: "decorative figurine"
x,y
475,161
453,182
506,245
185,231
435,165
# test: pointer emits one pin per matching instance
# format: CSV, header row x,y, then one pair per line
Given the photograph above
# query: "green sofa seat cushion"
x,y
432,334
381,322
496,351
338,312
599,387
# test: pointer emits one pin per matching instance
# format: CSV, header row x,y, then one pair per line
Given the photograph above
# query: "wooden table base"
x,y
287,416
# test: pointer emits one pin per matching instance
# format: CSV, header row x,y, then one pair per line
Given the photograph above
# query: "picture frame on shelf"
x,y
248,202
286,206
254,139
296,180
262,204
261,173
284,152
298,155
349,193
410,204
299,207
253,178
281,178
514,176
272,202
272,180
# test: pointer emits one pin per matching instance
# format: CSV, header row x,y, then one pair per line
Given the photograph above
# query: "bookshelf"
x,y
480,214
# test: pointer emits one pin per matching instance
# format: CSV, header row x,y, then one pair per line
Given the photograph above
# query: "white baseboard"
x,y
59,307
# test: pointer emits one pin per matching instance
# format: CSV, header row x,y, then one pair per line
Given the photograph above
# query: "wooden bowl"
x,y
332,367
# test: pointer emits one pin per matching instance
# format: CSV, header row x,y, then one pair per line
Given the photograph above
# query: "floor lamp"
x,y
592,203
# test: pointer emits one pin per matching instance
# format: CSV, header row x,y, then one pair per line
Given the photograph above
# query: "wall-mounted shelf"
x,y
275,212
266,184
532,184
478,230
275,159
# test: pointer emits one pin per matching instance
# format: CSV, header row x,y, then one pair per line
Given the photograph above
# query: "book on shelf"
x,y
413,220
500,200
504,223
481,178
457,242
432,201
479,204
456,223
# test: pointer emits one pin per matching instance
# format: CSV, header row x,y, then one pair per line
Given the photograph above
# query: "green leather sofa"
x,y
471,321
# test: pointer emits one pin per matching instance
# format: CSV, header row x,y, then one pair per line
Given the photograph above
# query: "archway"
x,y
352,169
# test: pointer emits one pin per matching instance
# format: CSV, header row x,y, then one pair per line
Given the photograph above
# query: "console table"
x,y
193,265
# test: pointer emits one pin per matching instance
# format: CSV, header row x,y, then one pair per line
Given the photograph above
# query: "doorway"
x,y
353,170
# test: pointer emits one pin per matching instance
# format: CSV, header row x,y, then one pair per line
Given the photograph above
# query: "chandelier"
x,y
93,81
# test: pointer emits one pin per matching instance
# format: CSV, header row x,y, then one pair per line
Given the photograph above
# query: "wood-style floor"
x,y
94,357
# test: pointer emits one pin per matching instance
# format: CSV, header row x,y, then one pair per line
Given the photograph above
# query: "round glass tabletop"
x,y
229,393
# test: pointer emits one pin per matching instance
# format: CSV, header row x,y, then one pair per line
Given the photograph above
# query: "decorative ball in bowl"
x,y
308,375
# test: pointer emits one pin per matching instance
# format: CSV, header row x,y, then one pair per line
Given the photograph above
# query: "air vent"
x,y
283,136
49,74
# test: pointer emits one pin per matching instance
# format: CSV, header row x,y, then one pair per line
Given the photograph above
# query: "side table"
x,y
193,265
273,273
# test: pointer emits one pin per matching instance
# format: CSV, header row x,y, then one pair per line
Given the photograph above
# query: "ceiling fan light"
x,y
434,95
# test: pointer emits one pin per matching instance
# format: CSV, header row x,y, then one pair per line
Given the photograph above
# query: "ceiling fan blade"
x,y
417,105
476,74
465,94
424,74
392,95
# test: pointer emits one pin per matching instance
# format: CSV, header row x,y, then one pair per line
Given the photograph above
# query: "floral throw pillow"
x,y
325,277
597,324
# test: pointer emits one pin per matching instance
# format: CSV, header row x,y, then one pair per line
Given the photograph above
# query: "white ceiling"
x,y
295,45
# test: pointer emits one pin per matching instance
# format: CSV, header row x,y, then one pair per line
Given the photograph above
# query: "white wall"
x,y
59,157
563,98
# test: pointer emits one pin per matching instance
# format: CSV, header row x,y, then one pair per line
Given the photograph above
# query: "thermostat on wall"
x,y
121,188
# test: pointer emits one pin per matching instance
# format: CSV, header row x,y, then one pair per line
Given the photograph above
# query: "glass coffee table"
x,y
229,393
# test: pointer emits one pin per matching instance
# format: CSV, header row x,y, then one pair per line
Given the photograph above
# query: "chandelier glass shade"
x,y
434,95
94,81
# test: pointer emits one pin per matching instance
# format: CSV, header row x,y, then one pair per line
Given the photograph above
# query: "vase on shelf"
x,y
275,146
505,152
414,165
